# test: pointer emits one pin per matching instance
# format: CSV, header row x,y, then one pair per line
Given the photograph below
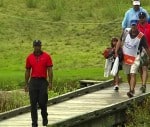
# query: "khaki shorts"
x,y
128,69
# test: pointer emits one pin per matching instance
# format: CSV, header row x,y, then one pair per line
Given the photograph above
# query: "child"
x,y
109,54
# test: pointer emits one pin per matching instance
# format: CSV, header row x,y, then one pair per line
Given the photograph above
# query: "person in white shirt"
x,y
132,46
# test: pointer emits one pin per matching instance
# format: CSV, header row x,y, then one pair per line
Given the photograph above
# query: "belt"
x,y
38,78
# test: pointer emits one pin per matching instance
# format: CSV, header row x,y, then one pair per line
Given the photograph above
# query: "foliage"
x,y
138,116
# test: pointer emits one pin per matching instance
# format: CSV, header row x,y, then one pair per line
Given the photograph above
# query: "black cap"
x,y
142,14
37,43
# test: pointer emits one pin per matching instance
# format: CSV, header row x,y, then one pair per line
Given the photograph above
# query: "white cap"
x,y
136,2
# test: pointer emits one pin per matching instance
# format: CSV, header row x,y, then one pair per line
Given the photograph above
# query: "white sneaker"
x,y
116,87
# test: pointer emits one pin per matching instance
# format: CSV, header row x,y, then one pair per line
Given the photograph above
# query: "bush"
x,y
139,115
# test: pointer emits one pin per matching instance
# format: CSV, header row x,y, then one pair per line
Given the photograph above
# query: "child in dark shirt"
x,y
109,54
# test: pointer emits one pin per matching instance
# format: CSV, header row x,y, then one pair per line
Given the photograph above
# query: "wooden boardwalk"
x,y
76,106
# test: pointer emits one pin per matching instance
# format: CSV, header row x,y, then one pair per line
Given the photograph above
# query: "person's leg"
x,y
133,70
43,99
116,82
132,85
144,70
141,73
33,93
144,77
132,82
128,79
116,78
126,69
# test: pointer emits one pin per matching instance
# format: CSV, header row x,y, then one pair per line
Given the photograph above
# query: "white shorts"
x,y
128,69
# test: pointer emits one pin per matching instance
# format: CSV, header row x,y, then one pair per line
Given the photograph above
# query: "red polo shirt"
x,y
145,29
39,64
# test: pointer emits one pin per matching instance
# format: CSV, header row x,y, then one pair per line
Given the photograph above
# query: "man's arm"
x,y
50,76
118,45
148,52
145,46
27,76
124,21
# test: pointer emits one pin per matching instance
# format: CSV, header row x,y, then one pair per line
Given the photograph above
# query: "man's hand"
x,y
49,86
26,88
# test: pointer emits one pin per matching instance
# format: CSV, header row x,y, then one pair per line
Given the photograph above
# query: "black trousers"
x,y
38,93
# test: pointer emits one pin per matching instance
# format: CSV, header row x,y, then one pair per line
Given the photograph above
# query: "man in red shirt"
x,y
38,65
144,27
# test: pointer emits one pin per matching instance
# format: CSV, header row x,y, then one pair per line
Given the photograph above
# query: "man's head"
x,y
133,25
37,46
37,43
142,17
136,5
114,41
133,22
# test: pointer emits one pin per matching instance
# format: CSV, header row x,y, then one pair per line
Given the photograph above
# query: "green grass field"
x,y
74,32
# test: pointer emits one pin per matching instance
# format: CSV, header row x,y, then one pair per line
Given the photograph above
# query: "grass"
x,y
74,32
7,101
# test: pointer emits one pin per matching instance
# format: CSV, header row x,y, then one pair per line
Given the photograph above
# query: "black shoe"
x,y
143,88
130,94
45,122
34,125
